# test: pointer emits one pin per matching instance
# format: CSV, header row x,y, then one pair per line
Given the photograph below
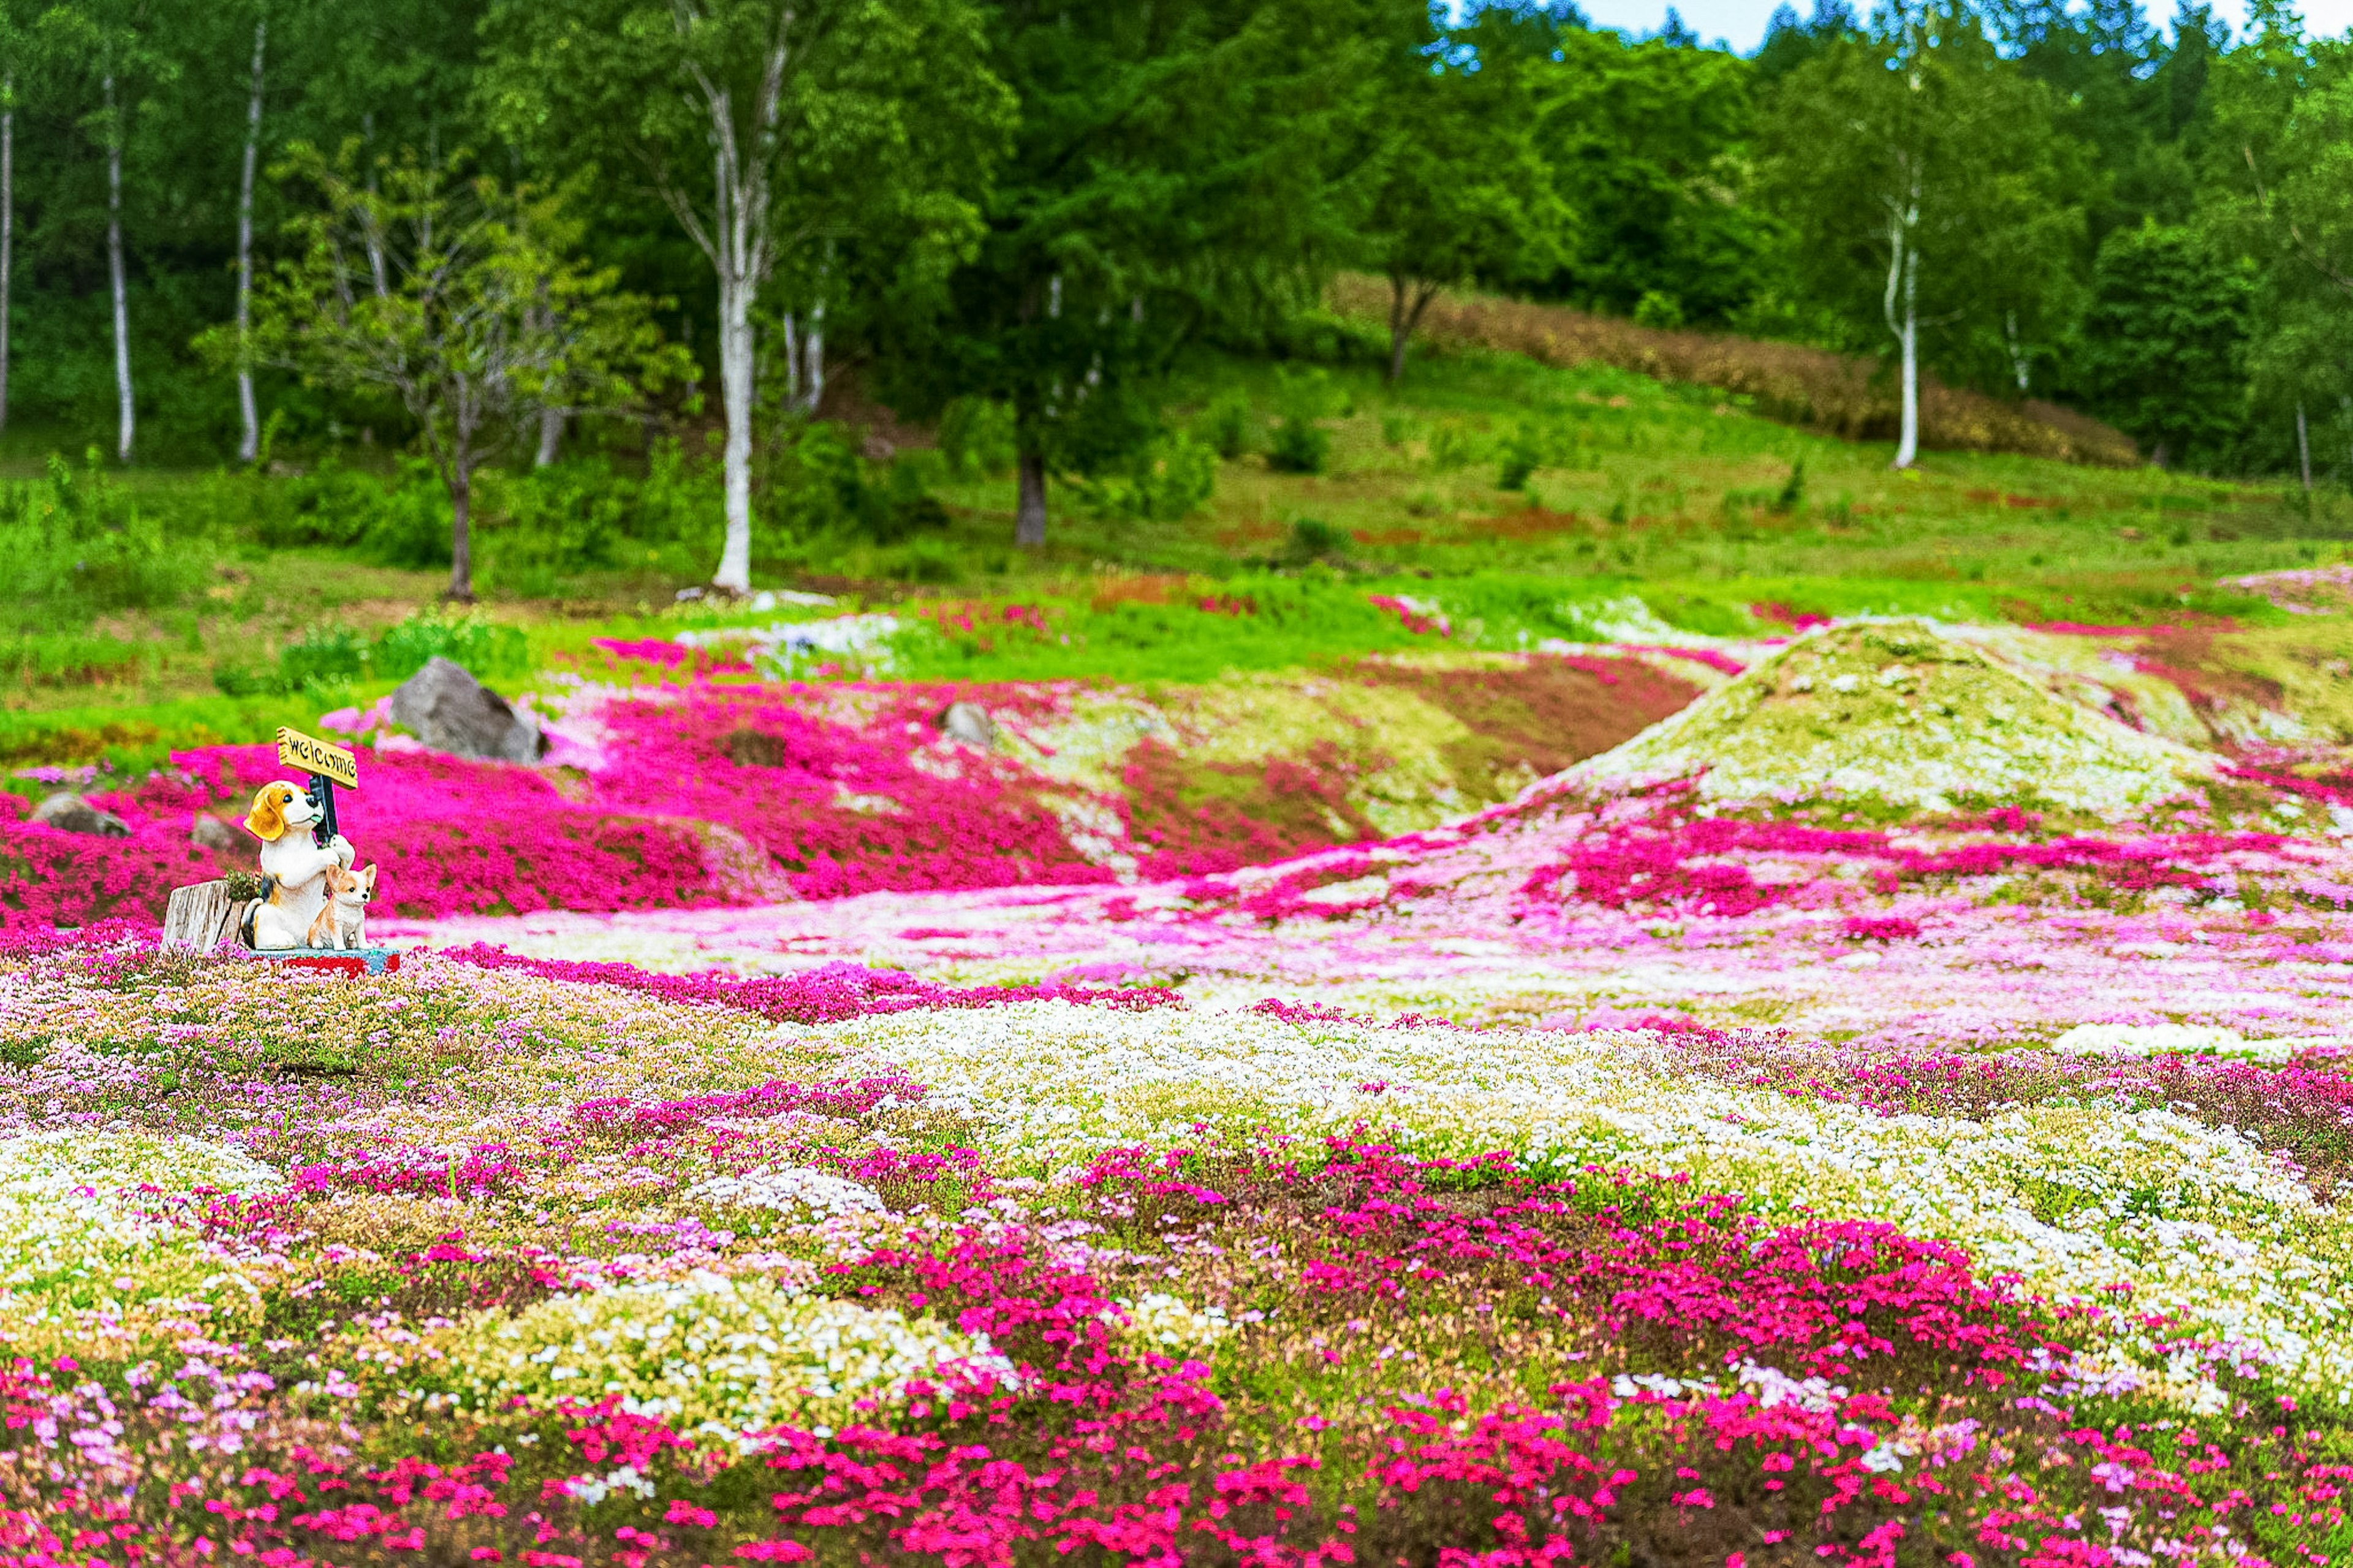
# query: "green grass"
x,y
1633,503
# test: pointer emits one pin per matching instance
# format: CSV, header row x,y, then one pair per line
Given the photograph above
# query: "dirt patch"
x,y
1537,714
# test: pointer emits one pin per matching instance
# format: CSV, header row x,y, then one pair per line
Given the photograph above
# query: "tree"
x,y
114,36
1918,170
1463,194
2165,342
12,58
767,128
1648,143
1180,165
461,301
248,446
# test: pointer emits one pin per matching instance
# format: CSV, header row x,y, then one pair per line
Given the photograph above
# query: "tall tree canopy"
x,y
767,128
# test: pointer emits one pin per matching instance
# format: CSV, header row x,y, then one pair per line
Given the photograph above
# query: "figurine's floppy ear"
x,y
267,820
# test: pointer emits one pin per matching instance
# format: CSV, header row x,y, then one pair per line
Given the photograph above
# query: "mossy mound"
x,y
1891,709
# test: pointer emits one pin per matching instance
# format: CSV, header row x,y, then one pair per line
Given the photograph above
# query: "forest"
x,y
497,231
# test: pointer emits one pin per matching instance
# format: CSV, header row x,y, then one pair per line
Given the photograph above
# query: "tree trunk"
x,y
1030,518
461,530
2304,449
7,225
114,272
735,345
813,360
249,444
1398,332
551,437
1907,441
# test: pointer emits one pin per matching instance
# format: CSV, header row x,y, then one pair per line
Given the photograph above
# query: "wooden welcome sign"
x,y
317,758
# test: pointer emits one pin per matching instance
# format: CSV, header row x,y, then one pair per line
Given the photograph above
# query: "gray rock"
x,y
450,710
68,813
968,723
211,833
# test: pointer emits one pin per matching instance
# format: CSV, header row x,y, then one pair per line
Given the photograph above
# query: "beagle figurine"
x,y
295,868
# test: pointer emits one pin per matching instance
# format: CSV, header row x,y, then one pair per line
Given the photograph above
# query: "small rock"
x,y
450,710
750,748
970,723
68,813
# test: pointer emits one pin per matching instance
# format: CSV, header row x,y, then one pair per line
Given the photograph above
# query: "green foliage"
x,y
1649,143
1465,194
1228,423
78,544
1167,482
2165,342
1300,444
1793,491
325,661
1924,118
977,437
1524,453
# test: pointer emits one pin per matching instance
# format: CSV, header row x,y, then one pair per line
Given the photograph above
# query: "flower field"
x,y
1885,1112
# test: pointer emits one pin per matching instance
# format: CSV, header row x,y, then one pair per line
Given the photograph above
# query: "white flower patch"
x,y
2197,1221
2164,1039
85,1222
707,1355
1168,1323
790,1189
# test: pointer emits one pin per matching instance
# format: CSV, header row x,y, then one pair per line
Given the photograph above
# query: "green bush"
x,y
484,646
1226,425
329,657
1522,454
1166,481
1300,444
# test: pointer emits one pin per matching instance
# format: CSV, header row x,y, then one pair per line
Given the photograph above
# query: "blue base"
x,y
349,961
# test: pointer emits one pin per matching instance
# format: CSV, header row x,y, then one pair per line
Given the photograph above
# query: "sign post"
x,y
328,766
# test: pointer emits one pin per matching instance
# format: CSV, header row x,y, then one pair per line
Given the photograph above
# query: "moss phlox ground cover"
x,y
567,1269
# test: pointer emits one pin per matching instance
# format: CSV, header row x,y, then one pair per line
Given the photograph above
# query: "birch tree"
x,y
114,40
766,128
460,301
1917,167
249,444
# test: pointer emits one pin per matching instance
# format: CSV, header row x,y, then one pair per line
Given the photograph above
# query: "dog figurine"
x,y
342,922
296,868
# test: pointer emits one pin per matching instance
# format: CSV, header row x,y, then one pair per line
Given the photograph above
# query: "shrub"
x,y
77,545
1522,454
1301,445
1166,481
1226,424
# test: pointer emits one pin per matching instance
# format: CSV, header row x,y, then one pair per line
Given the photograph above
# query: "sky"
x,y
1741,22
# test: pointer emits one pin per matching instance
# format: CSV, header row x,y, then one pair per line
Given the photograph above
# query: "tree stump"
x,y
200,918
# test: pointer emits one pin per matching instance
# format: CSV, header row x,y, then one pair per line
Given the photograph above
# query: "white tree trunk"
x,y
792,363
812,379
551,437
114,271
2303,448
1902,306
7,225
1907,440
735,389
248,442
2019,366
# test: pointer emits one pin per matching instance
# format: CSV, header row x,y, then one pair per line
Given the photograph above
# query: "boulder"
x,y
445,706
211,833
970,723
68,813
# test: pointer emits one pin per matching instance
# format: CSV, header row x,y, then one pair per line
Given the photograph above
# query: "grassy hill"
x,y
1512,500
